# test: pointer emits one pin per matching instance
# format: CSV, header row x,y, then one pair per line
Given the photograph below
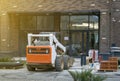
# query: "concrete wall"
x,y
9,36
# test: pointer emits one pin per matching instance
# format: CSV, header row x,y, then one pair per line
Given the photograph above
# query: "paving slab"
x,y
49,75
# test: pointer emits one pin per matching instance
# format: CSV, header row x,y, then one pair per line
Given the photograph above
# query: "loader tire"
x,y
66,62
59,64
71,61
30,68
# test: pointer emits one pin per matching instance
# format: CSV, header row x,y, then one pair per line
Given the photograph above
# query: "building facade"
x,y
81,25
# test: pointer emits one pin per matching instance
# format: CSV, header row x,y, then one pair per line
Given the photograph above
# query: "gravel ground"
x,y
45,75
24,75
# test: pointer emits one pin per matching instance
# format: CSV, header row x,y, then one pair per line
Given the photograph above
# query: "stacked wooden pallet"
x,y
109,65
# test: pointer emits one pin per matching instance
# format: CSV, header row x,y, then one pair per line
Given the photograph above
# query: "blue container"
x,y
105,56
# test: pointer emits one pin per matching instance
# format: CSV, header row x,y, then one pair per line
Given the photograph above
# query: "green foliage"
x,y
74,75
85,76
98,78
5,59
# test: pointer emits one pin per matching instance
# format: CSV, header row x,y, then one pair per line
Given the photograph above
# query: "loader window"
x,y
37,41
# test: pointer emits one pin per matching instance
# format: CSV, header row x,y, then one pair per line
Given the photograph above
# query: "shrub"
x,y
5,59
85,76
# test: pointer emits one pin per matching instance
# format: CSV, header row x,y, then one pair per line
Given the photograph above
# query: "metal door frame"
x,y
87,41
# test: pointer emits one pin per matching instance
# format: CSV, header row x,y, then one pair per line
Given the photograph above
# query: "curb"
x,y
10,65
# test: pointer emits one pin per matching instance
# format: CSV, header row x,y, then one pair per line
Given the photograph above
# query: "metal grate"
x,y
38,50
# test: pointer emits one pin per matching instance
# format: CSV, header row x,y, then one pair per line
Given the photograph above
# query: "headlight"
x,y
30,50
47,51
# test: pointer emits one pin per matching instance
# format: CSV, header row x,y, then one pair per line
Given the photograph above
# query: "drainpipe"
x,y
110,22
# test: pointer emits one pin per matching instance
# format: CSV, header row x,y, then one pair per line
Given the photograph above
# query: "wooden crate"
x,y
104,65
113,59
109,65
113,65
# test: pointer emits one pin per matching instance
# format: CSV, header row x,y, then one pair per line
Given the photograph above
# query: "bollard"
x,y
83,59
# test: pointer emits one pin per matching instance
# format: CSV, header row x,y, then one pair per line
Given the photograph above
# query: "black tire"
x,y
59,64
66,62
30,68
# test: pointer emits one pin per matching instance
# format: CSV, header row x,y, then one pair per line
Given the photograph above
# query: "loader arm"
x,y
58,44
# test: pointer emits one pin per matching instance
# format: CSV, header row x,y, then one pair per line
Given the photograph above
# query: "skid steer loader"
x,y
44,51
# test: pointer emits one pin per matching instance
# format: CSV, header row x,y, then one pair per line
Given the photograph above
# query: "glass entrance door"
x,y
79,42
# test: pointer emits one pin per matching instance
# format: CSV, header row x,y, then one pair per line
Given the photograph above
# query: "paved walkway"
x,y
24,75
